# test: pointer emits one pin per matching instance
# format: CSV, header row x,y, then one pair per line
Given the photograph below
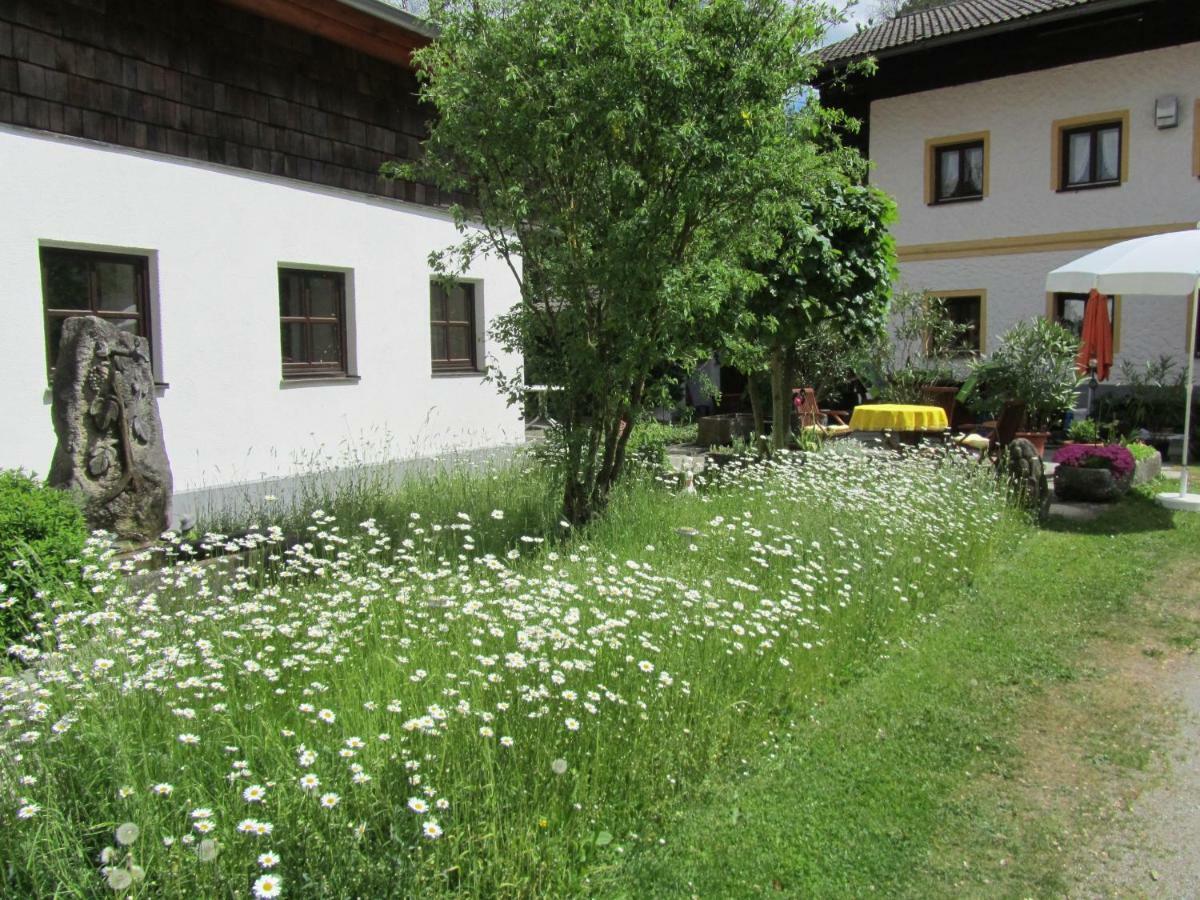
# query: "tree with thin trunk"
x,y
830,261
613,151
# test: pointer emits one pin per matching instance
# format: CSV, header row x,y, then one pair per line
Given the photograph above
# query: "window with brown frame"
x,y
958,172
111,286
312,322
1091,156
452,328
967,313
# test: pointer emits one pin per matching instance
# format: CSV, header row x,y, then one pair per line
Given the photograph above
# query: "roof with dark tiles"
x,y
942,21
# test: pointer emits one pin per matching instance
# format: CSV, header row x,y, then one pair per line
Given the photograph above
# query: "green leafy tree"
x,y
890,9
613,151
829,265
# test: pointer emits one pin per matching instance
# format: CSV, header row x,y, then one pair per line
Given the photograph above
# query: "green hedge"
x,y
42,533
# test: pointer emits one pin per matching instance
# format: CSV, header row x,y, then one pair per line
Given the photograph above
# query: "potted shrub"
x,y
1084,431
1034,365
1093,473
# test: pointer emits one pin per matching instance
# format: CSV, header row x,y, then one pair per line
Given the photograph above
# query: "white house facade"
x,y
226,205
1015,137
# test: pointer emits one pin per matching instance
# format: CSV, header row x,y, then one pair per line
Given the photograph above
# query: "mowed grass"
x,y
401,712
877,791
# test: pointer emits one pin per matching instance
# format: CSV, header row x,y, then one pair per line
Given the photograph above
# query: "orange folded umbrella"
x,y
1097,337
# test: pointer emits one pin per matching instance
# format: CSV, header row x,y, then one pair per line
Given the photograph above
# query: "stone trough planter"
x,y
1088,485
1147,469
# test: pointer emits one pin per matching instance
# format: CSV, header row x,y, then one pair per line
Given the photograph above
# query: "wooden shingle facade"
x,y
214,83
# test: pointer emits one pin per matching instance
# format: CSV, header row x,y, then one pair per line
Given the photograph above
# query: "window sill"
x,y
1071,189
950,201
457,373
295,381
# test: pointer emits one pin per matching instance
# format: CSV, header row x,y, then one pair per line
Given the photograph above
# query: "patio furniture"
x,y
911,418
995,434
829,423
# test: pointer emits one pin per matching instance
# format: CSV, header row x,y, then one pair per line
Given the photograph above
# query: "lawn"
x,y
403,707
895,786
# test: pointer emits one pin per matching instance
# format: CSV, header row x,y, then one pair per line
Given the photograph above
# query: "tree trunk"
x,y
781,400
756,404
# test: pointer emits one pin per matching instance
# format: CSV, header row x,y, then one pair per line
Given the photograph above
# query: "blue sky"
x,y
858,13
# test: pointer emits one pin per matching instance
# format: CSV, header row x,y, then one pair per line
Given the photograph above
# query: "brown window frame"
x,y
1093,129
960,149
446,363
309,368
1058,300
141,265
948,298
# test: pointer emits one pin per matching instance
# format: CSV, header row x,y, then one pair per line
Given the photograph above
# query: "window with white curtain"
x,y
1091,156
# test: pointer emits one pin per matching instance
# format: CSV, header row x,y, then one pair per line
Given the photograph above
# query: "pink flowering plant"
x,y
1113,457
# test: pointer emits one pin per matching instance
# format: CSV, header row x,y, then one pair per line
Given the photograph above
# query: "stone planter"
x,y
1088,485
1147,469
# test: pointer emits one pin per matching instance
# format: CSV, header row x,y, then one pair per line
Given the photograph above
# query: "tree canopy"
x,y
615,153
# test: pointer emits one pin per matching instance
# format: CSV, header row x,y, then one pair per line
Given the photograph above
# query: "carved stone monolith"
x,y
110,449
1025,472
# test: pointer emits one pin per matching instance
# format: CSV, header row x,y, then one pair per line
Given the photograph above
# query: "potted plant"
x,y
1084,431
1092,473
916,357
1034,365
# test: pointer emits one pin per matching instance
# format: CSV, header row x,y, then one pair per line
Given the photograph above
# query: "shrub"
x,y
42,533
1085,431
1113,457
1140,451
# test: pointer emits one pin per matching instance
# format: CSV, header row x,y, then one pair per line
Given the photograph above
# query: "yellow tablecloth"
x,y
898,417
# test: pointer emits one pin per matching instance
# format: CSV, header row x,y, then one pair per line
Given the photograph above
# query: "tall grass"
x,y
399,712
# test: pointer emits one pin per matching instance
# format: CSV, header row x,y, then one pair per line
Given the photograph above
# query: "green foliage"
x,y
649,441
1034,365
829,261
1155,400
916,352
1085,431
1140,451
42,533
615,152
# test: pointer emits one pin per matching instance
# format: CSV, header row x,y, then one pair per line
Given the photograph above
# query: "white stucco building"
x,y
1017,135
205,173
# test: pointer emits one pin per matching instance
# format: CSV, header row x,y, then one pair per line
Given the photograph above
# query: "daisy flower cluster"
x,y
368,708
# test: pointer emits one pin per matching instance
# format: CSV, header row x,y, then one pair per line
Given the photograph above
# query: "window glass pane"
x,y
460,343
459,304
293,342
129,326
325,344
437,303
965,312
322,296
118,287
1108,160
64,280
947,173
437,342
972,180
1079,158
290,303
1070,313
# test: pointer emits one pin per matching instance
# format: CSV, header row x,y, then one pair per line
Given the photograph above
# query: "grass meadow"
x,y
455,693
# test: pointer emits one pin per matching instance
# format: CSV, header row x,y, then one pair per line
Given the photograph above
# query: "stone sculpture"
x,y
110,449
1025,472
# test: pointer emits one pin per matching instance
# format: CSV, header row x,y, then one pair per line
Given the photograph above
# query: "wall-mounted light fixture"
x,y
1166,112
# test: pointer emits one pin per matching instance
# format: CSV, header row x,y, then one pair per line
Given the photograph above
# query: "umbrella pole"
x,y
1191,369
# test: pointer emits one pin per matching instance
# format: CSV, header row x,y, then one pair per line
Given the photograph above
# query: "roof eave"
x,y
389,13
970,34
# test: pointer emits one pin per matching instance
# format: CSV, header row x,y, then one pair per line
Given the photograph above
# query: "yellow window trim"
x,y
981,293
1061,125
1116,318
931,147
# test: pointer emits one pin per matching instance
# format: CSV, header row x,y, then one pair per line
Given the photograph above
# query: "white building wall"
x,y
217,238
1018,112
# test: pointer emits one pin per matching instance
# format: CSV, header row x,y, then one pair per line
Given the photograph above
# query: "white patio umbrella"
x,y
1163,265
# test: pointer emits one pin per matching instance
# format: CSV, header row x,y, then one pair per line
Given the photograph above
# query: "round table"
x,y
898,417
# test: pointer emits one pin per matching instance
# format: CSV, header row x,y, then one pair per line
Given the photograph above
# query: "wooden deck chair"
x,y
996,434
829,423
